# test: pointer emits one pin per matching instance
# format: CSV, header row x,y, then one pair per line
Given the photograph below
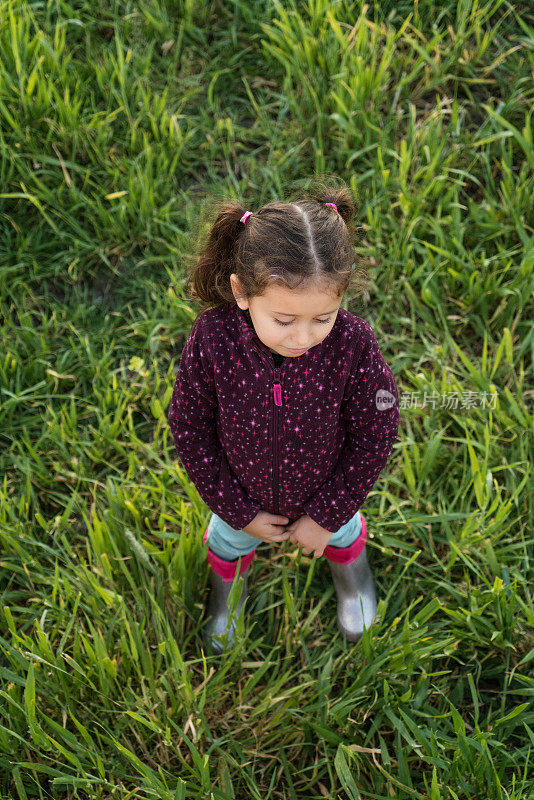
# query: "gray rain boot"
x,y
219,630
356,595
354,585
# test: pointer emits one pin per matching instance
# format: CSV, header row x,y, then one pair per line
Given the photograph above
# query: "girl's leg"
x,y
348,533
348,542
228,549
227,542
354,584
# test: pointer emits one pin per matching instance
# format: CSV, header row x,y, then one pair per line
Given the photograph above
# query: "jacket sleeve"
x,y
370,409
192,420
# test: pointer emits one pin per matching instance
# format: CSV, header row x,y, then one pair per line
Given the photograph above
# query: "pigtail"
x,y
213,260
327,188
344,202
324,190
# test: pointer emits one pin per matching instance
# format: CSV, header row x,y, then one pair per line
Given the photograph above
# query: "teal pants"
x,y
229,544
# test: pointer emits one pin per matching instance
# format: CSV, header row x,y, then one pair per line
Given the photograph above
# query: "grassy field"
x,y
118,120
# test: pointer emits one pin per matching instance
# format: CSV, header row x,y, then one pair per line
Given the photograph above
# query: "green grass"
x,y
117,121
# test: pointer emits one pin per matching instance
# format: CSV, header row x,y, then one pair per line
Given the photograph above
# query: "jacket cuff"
x,y
330,519
241,521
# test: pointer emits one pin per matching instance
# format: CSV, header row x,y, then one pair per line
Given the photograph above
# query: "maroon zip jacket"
x,y
308,437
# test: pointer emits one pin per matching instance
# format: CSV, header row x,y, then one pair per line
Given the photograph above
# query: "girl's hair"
x,y
295,244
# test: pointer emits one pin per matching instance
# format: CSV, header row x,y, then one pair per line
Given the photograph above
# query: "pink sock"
x,y
345,555
227,569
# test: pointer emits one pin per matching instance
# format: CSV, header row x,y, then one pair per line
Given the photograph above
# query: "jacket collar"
x,y
245,324
248,332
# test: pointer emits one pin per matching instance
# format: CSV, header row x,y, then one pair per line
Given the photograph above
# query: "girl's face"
x,y
288,321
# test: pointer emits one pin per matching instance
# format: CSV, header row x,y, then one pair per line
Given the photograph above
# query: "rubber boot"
x,y
354,585
219,630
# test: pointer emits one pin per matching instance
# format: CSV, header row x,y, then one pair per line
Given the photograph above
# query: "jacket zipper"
x,y
277,391
277,394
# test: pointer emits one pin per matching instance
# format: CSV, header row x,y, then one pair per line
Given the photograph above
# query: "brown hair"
x,y
288,243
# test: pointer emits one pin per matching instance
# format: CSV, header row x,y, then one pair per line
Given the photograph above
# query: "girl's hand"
x,y
268,527
309,535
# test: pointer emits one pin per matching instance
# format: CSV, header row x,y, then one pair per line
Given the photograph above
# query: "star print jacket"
x,y
308,437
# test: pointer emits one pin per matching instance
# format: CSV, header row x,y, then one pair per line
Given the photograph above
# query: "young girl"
x,y
283,411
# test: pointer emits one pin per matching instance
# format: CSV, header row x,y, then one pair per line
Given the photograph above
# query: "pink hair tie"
x,y
245,216
331,204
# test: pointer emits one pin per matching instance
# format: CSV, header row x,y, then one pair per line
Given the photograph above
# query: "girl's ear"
x,y
236,290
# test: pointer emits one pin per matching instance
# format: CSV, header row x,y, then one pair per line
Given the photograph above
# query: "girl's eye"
x,y
324,321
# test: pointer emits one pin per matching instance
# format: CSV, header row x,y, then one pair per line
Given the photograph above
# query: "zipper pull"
x,y
277,387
